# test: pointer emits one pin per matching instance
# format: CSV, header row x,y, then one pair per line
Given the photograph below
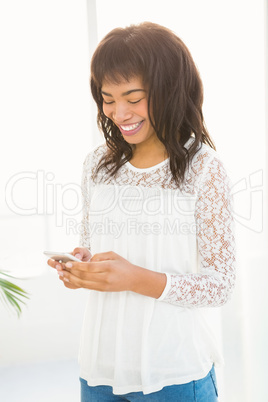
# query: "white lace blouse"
x,y
133,342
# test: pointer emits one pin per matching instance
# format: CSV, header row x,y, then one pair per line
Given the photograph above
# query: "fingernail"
x,y
78,256
58,266
69,265
60,273
66,279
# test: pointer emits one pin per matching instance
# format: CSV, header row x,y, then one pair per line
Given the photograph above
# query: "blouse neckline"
x,y
158,165
149,168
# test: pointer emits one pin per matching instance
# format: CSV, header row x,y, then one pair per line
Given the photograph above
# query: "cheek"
x,y
142,109
107,110
104,110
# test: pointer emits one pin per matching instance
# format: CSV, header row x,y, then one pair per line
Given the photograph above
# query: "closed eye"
x,y
131,102
135,102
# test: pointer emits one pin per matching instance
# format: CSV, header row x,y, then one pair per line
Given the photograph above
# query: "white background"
x,y
48,126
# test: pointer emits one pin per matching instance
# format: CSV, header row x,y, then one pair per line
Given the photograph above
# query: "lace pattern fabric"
x,y
85,187
208,182
159,177
216,246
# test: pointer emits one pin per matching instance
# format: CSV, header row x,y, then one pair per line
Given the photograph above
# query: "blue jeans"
x,y
204,390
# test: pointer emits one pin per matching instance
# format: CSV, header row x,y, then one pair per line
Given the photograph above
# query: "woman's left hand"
x,y
106,271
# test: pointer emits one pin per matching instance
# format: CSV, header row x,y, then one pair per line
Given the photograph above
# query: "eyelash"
x,y
135,102
110,103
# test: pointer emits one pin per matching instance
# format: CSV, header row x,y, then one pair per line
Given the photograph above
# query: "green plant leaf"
x,y
14,288
13,302
12,294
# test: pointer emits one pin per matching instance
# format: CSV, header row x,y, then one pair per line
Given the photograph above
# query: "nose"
x,y
121,113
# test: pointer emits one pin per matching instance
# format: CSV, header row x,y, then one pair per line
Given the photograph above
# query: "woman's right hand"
x,y
82,253
79,252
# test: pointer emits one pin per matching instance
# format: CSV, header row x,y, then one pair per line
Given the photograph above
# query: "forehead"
x,y
122,85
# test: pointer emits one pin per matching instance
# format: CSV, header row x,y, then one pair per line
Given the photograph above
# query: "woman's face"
x,y
127,106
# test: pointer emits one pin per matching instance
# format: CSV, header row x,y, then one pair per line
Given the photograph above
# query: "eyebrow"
x,y
125,93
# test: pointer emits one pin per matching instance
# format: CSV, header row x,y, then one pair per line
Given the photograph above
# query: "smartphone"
x,y
61,256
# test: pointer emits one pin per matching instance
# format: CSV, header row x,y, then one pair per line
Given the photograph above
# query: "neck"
x,y
149,149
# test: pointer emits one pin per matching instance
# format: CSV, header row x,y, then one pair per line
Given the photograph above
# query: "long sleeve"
x,y
213,285
85,188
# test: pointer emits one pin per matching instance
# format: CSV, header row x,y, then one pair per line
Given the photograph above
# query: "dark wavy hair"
x,y
175,92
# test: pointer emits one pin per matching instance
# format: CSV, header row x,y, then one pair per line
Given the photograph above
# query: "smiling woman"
x,y
128,108
126,104
148,332
136,58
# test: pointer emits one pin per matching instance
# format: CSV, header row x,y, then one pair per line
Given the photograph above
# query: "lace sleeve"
x,y
216,248
85,187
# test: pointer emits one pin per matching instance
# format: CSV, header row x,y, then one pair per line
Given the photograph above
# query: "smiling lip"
x,y
131,132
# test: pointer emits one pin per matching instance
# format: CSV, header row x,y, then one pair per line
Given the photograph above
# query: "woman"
x,y
157,243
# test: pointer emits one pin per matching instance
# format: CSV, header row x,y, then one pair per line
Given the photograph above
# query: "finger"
x,y
88,267
81,283
108,255
78,266
82,253
87,276
54,264
68,284
79,250
78,253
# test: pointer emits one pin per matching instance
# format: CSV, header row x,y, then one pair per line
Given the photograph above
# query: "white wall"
x,y
46,131
48,127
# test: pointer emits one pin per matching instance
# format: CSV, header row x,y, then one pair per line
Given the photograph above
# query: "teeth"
x,y
130,127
